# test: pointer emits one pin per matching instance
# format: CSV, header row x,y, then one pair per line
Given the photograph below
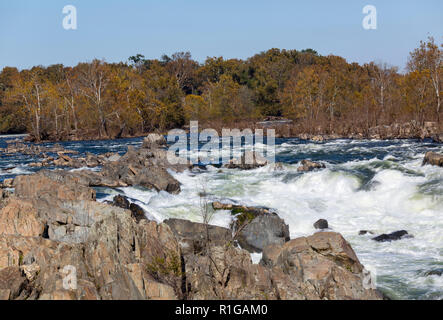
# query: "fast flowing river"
x,y
367,185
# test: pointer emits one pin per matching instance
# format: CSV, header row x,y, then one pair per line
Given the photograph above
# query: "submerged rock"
x,y
397,235
308,165
321,224
364,232
433,159
436,272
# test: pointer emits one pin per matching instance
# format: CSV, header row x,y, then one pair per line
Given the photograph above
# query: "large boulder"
x,y
322,266
194,237
262,231
433,159
255,227
135,168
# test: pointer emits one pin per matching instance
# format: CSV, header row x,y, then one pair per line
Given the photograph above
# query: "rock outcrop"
x,y
322,266
49,235
58,243
146,167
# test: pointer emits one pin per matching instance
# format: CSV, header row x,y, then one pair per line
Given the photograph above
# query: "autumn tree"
x,y
428,60
93,80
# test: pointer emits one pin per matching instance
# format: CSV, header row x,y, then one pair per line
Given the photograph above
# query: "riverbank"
x,y
286,129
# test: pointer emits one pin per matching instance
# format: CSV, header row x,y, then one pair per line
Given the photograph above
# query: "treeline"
x,y
320,93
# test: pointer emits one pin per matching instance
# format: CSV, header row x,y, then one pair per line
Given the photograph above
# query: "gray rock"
x,y
255,227
321,224
193,236
263,230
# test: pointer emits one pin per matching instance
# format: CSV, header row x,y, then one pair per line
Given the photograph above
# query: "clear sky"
x,y
31,32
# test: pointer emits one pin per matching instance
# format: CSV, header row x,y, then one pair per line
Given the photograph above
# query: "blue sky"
x,y
31,32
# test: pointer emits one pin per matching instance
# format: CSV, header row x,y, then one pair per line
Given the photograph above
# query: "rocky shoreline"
x,y
285,128
51,225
